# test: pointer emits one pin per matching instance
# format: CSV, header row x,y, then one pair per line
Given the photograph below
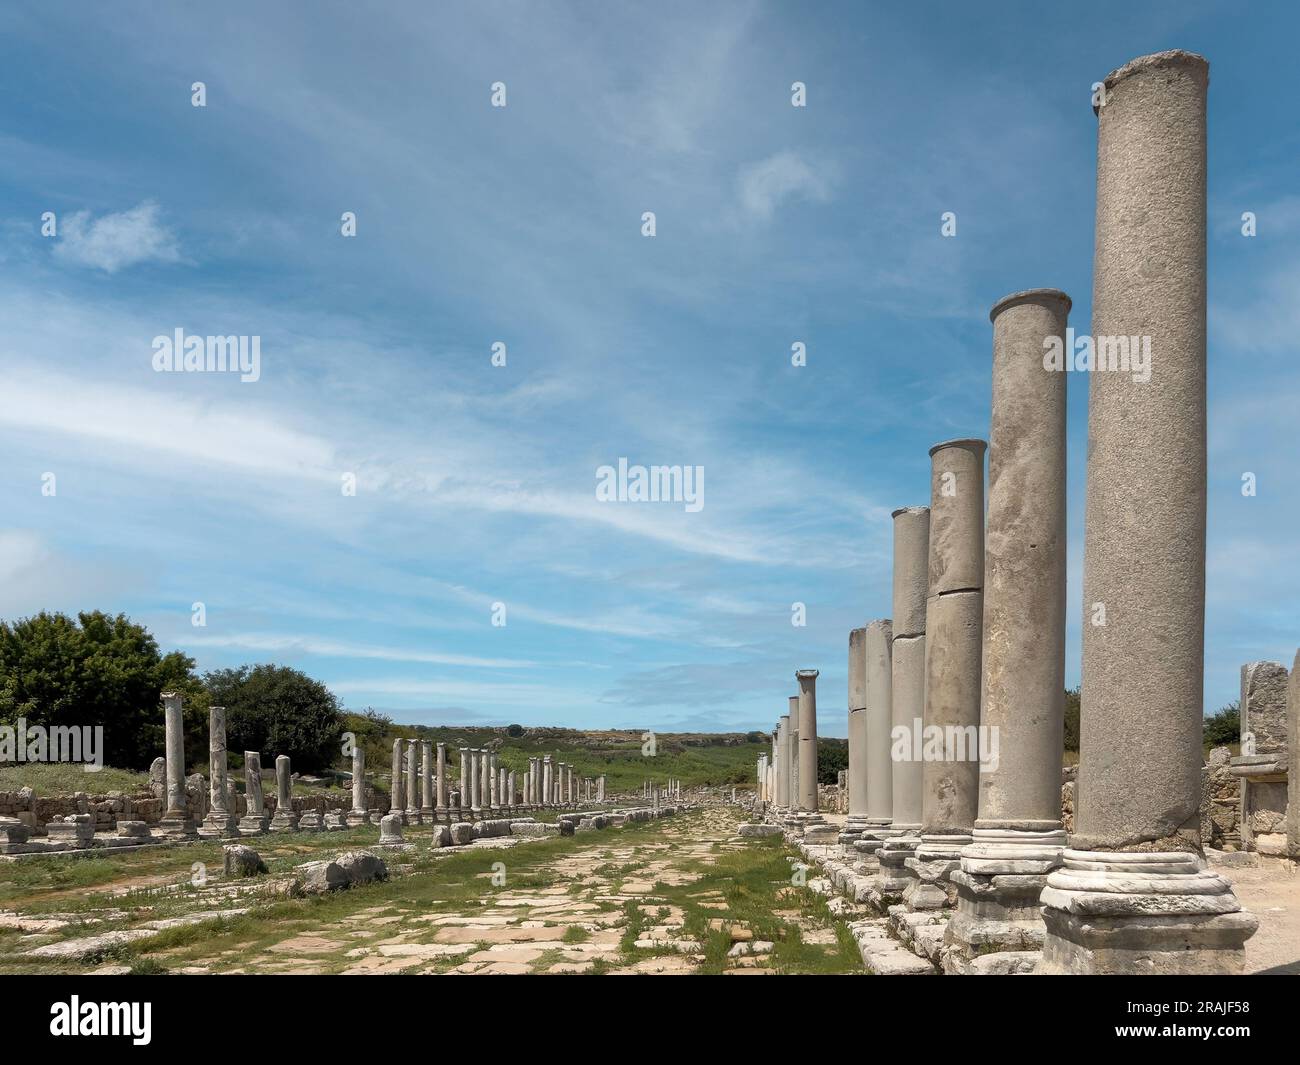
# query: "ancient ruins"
x,y
961,846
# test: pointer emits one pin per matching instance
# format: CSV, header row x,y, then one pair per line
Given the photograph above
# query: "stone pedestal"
x,y
1142,913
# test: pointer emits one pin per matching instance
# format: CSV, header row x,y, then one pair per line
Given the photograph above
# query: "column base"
x,y
283,821
936,858
893,855
998,927
1142,913
854,826
310,821
442,815
219,826
413,816
178,827
357,818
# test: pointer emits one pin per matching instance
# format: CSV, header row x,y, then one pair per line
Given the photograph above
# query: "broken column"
x,y
285,820
907,696
255,821
1131,896
1262,765
359,814
176,820
953,644
857,814
220,822
1017,837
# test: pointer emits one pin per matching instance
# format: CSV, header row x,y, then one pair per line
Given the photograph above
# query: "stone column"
x,y
395,801
359,814
441,810
475,806
493,791
907,696
426,780
176,820
1261,766
954,613
857,775
463,792
600,788
876,724
1131,896
412,783
285,820
547,770
485,781
1018,837
220,822
255,821
511,784
792,765
807,679
782,762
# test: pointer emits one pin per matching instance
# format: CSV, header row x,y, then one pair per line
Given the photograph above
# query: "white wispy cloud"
x,y
113,242
765,185
274,643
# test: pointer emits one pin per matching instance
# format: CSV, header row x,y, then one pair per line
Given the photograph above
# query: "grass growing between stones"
x,y
557,904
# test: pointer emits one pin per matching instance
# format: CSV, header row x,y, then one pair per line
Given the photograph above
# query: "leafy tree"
x,y
515,731
97,670
279,710
1224,727
832,756
1072,719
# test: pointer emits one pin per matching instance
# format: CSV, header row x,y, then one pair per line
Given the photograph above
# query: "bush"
x,y
1072,719
1223,728
278,710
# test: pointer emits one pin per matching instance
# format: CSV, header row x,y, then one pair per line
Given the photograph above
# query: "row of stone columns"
x,y
421,788
971,665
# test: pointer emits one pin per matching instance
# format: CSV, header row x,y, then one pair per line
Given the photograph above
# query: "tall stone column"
x,y
395,804
793,755
857,810
412,782
255,821
475,794
426,780
782,762
547,771
807,679
1131,895
176,820
511,784
954,612
463,795
600,788
220,822
493,791
1018,837
285,820
441,810
877,721
907,697
359,814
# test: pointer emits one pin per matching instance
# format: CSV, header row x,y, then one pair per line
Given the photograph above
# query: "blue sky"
x,y
522,224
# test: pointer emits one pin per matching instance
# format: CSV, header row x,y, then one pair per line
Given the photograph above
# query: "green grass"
x,y
62,778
